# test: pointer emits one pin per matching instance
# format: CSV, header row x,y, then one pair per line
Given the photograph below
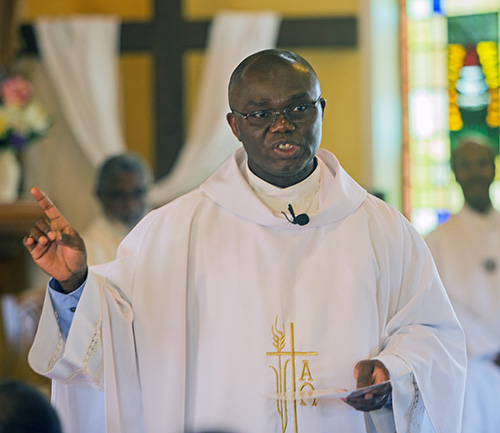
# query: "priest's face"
x,y
280,147
474,167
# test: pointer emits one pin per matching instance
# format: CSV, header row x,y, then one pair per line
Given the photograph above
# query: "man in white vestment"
x,y
122,186
467,254
257,302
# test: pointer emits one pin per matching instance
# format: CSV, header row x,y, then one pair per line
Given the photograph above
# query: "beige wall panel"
x,y
339,75
136,72
193,64
126,9
205,9
193,67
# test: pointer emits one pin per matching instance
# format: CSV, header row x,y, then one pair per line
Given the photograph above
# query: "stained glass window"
x,y
453,89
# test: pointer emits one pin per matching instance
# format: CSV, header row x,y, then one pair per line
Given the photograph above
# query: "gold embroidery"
x,y
307,380
305,370
309,385
284,358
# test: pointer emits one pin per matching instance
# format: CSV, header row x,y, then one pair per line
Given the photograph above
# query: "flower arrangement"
x,y
22,119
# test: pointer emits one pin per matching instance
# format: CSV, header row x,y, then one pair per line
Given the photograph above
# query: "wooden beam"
x,y
333,32
168,84
134,37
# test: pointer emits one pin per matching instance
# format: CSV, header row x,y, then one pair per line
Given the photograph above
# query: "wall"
x,y
338,70
127,9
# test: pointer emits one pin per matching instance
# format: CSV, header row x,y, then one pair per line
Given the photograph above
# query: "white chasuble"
x,y
216,306
102,238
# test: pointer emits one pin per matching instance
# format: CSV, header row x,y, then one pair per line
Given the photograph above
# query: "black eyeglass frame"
x,y
277,113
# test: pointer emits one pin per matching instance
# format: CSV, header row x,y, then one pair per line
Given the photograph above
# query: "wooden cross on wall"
x,y
167,36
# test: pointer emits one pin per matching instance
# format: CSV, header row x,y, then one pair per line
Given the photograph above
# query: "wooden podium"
x,y
16,219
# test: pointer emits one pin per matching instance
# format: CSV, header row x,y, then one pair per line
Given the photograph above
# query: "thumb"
x,y
364,373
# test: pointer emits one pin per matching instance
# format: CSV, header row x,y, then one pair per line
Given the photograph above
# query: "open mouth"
x,y
286,149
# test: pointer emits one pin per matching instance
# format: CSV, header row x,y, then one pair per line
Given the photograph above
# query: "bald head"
x,y
468,142
267,60
473,162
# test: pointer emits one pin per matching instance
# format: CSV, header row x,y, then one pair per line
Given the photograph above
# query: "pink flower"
x,y
15,91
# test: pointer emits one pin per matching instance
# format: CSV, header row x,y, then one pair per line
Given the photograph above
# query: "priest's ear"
x,y
231,119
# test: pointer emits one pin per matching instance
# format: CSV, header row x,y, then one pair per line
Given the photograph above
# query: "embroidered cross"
x,y
285,359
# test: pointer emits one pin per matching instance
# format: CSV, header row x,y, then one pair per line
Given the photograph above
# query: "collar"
x,y
303,196
338,196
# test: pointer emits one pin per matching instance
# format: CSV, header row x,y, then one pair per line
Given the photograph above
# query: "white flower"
x,y
36,119
22,120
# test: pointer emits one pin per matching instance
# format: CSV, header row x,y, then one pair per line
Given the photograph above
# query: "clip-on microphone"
x,y
301,219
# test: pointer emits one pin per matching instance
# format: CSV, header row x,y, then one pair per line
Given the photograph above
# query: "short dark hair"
x,y
24,409
124,162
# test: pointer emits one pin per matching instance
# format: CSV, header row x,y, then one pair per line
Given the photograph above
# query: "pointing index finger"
x,y
58,222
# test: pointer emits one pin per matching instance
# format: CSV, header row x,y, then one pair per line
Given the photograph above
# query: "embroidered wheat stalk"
x,y
281,404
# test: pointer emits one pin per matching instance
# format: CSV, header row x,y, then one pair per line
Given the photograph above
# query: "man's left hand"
x,y
367,373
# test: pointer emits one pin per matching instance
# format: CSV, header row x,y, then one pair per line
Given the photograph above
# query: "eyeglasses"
x,y
296,113
122,196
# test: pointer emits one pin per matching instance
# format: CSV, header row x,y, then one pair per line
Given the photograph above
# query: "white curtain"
x,y
80,56
233,36
76,81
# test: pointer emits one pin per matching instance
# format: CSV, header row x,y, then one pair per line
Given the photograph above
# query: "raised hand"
x,y
55,246
370,372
